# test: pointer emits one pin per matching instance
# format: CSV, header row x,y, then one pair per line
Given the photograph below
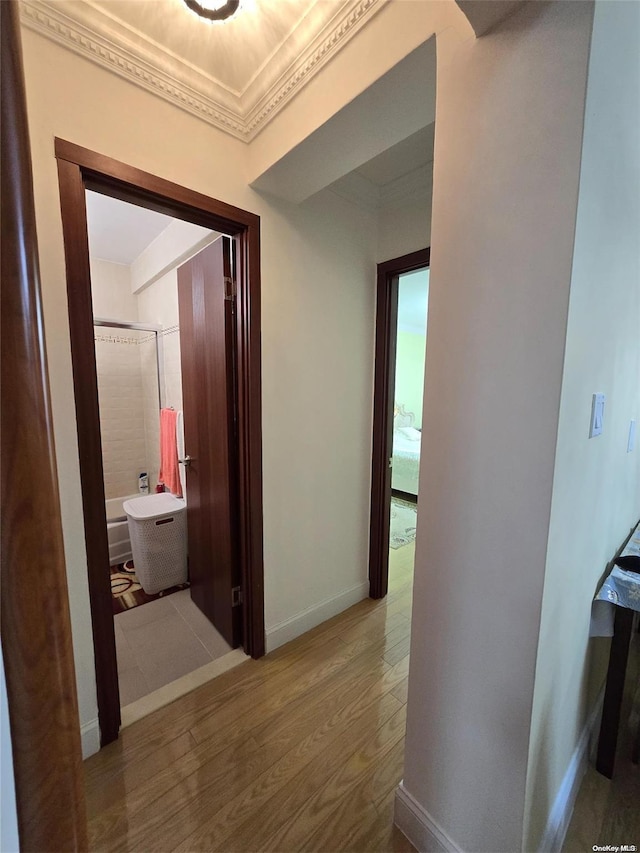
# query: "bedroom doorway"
x,y
401,325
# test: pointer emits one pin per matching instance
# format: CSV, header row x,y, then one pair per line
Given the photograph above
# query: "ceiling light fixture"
x,y
213,10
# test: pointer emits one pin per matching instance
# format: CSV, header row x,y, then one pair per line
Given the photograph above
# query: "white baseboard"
x,y
418,825
562,809
90,737
299,624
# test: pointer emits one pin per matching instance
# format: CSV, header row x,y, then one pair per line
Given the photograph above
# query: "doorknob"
x,y
186,461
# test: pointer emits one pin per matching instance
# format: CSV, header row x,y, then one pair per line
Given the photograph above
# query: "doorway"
x,y
154,358
80,170
396,422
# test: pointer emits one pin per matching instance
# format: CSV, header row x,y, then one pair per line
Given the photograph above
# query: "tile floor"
x,y
161,641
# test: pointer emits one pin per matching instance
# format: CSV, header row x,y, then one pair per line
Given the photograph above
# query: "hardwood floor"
x,y
301,750
607,811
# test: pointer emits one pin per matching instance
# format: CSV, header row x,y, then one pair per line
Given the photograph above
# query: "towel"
x,y
169,471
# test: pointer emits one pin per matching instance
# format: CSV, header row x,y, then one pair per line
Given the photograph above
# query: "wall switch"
x,y
631,443
597,415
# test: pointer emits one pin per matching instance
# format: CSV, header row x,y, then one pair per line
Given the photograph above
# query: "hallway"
x,y
302,749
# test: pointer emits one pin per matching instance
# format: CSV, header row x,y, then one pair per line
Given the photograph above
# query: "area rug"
x,y
126,591
404,516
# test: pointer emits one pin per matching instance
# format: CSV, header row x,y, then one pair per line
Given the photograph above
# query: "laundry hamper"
x,y
158,532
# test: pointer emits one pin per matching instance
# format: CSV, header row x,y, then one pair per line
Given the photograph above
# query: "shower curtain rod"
x,y
121,324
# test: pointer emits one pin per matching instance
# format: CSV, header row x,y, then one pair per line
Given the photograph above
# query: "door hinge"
x,y
229,288
236,596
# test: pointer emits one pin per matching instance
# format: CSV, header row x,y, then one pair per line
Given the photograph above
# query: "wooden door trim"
x,y
37,650
80,169
383,394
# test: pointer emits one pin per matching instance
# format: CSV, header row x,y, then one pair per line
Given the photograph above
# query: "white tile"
x,y
166,650
133,686
212,640
124,655
144,614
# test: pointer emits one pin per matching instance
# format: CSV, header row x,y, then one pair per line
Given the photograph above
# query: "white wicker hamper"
x,y
158,531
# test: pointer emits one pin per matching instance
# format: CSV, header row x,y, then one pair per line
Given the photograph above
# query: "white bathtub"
x,y
118,530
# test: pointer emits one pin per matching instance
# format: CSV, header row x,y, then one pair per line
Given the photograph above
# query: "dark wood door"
x,y
206,308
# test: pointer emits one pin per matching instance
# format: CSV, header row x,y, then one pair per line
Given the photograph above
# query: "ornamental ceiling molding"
x,y
94,34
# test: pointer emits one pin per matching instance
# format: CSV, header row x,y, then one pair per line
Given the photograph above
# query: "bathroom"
x,y
162,638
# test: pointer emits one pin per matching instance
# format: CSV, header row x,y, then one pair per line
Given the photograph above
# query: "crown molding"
x,y
89,31
309,58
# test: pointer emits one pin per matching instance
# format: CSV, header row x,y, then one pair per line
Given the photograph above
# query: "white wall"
x,y
158,304
507,156
317,340
171,248
111,291
596,489
318,325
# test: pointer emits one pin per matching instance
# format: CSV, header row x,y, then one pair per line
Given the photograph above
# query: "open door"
x,y
388,277
206,303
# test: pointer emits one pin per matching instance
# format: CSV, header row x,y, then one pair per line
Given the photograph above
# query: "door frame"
x,y
388,274
80,169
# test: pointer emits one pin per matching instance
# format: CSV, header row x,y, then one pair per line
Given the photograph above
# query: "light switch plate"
x,y
631,443
597,415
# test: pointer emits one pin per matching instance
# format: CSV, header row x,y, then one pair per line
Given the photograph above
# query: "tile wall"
x,y
126,448
127,367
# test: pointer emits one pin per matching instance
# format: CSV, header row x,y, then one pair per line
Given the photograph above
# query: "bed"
x,y
406,452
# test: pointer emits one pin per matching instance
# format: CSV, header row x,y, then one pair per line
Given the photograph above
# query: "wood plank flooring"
x,y
301,750
607,811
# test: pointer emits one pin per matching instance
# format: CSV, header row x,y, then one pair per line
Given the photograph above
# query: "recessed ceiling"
x,y
403,171
404,157
119,232
236,74
231,52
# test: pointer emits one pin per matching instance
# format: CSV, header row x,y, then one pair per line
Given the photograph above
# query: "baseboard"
x,y
299,624
562,809
90,738
418,825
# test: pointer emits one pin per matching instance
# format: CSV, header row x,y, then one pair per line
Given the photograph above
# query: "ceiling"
x,y
396,162
118,231
231,52
403,171
236,75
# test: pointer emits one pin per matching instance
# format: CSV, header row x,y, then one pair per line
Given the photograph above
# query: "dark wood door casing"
x,y
80,169
206,346
388,274
36,632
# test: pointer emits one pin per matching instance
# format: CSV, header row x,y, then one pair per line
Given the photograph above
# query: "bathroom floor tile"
x,y
145,614
212,640
124,655
166,649
133,686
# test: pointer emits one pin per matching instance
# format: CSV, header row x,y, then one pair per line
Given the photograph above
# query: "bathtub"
x,y
118,530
